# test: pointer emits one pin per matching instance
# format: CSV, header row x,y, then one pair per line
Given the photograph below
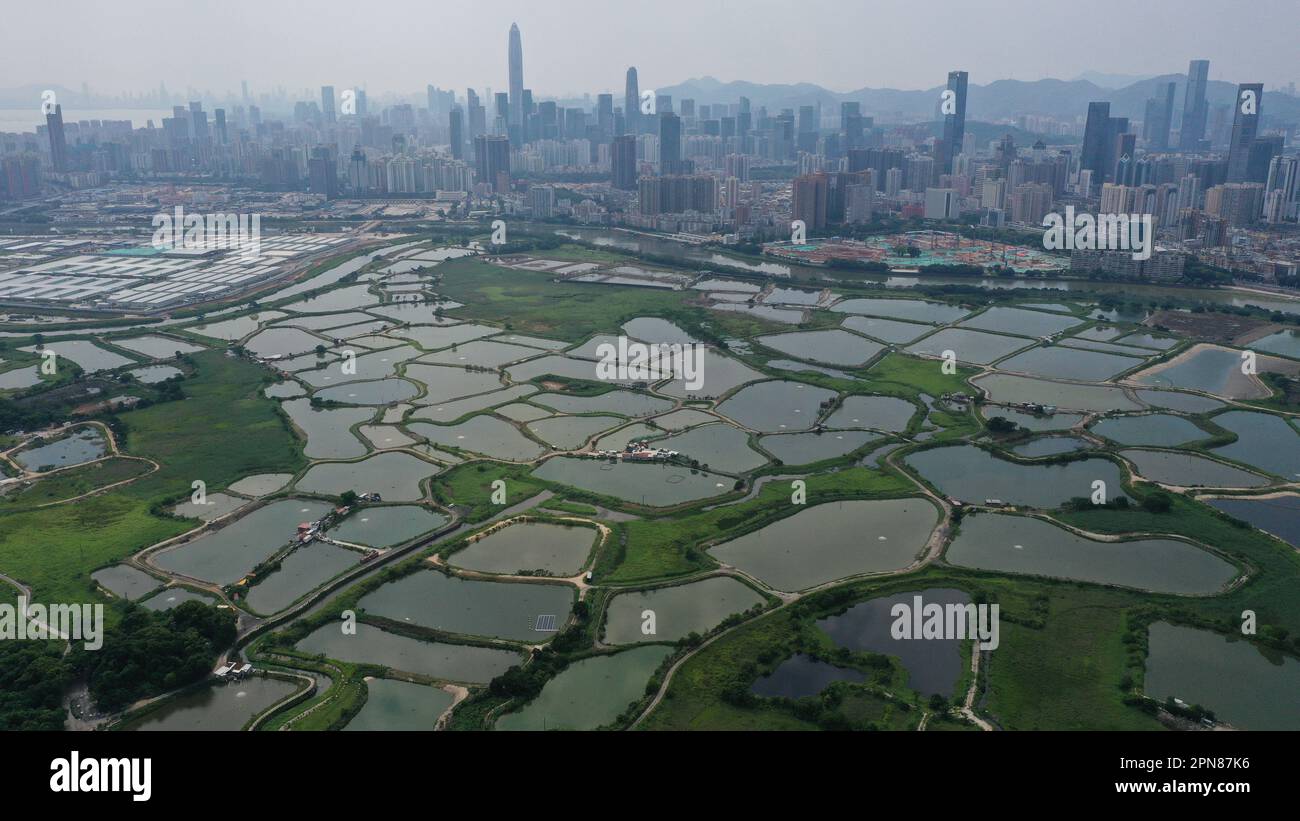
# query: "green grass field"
x,y
470,486
1066,674
224,430
901,375
73,482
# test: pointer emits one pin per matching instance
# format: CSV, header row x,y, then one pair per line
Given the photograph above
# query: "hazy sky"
x,y
586,45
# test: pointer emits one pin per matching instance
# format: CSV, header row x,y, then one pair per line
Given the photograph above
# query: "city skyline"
x,y
706,41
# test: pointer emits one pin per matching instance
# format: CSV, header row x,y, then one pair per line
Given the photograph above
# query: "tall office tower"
x,y
492,161
605,115
243,85
1096,137
806,140
500,123
851,125
1195,108
456,127
811,198
847,109
223,136
782,139
477,114
58,143
632,103
807,119
1156,119
623,162
322,176
670,144
327,102
1262,152
1245,125
516,77
361,102
548,115
954,120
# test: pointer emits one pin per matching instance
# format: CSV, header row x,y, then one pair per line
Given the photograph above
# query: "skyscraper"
x,y
605,115
1157,119
516,77
623,162
954,120
322,174
327,102
1245,125
1101,135
632,103
492,157
1195,109
851,124
456,125
670,143
477,114
58,143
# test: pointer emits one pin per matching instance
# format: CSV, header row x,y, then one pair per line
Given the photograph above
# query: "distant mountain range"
x,y
999,99
1112,80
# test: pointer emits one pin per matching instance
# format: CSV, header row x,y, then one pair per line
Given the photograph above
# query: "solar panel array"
x,y
144,282
546,624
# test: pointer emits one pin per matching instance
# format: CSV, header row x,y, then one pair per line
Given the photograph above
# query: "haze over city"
x,y
574,47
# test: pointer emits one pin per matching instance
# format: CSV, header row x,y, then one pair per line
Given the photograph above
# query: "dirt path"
x,y
968,707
